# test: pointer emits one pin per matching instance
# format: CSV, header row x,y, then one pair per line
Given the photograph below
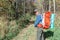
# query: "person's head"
x,y
36,12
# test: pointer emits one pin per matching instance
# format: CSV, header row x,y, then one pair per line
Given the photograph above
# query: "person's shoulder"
x,y
40,14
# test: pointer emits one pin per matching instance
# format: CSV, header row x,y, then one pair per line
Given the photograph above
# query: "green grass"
x,y
10,29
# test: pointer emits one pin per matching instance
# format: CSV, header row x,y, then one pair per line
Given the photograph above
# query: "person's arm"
x,y
38,19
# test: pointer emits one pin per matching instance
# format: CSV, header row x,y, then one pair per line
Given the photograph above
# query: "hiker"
x,y
38,24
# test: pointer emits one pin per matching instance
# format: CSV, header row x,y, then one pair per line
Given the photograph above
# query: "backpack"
x,y
46,18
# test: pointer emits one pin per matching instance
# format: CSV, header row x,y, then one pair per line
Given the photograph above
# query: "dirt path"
x,y
28,33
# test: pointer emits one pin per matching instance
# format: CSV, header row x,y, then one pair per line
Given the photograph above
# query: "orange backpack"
x,y
47,20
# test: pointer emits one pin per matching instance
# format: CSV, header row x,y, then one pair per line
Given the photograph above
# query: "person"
x,y
38,24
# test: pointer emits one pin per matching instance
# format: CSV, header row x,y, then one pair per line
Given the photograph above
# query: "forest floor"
x,y
28,33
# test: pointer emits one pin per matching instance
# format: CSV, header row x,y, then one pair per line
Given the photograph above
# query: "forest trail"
x,y
28,33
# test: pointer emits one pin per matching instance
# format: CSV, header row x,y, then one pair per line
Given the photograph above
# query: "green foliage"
x,y
9,26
